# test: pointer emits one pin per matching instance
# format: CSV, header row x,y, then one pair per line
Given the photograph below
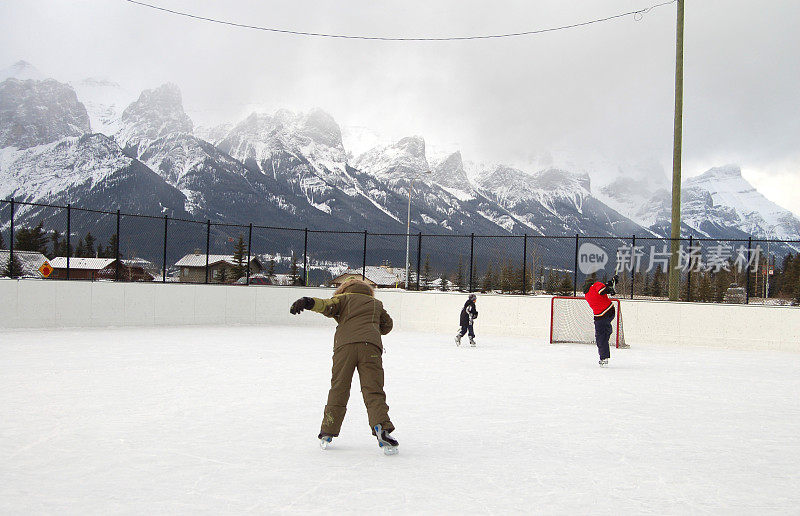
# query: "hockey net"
x,y
571,320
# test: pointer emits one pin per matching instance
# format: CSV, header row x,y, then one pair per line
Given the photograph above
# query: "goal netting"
x,y
571,320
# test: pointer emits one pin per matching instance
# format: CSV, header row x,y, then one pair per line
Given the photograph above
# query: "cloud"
x,y
603,92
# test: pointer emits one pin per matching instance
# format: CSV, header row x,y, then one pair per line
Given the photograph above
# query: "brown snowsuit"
x,y
356,344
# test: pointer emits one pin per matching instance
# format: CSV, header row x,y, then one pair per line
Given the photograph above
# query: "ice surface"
x,y
225,420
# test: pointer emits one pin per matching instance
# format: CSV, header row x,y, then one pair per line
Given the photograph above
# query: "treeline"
x,y
503,276
54,243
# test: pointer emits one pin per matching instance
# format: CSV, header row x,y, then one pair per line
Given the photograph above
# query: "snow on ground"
x,y
224,420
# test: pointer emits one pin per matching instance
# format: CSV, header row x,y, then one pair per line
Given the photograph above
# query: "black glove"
x,y
304,303
611,286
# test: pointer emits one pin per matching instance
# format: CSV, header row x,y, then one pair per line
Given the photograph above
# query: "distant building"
x,y
192,268
81,268
377,276
29,260
97,269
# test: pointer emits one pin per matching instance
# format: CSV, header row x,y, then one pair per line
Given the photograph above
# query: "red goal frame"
x,y
617,308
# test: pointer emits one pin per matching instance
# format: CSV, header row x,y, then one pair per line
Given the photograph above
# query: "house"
x,y
97,269
30,261
83,268
376,276
192,268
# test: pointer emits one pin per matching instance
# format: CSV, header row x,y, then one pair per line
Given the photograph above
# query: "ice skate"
x,y
388,443
458,340
624,346
603,362
472,342
325,441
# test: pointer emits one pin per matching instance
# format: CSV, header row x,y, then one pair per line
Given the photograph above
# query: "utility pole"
x,y
674,273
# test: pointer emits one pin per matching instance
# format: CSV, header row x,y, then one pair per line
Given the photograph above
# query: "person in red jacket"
x,y
602,307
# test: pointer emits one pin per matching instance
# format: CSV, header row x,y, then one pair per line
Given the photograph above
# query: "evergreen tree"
x,y
427,274
239,258
2,242
565,287
704,291
443,286
271,270
111,248
294,272
89,245
56,246
488,280
13,267
551,285
80,250
657,283
590,280
31,239
460,282
222,275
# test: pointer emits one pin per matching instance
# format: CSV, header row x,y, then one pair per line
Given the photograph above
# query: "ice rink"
x,y
214,420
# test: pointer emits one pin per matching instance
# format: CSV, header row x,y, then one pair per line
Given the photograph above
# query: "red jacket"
x,y
598,299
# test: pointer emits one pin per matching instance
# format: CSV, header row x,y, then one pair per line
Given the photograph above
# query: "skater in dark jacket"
x,y
603,309
357,344
468,314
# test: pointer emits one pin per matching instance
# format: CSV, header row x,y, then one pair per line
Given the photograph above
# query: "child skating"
x,y
468,314
603,309
356,345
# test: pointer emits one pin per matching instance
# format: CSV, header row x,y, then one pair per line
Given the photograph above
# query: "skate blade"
x,y
389,450
325,444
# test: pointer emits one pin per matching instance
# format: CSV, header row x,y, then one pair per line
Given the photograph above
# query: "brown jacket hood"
x,y
355,286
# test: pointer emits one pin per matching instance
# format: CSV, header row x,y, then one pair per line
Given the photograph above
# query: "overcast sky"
x,y
597,94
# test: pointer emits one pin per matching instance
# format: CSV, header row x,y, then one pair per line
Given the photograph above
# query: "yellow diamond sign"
x,y
46,269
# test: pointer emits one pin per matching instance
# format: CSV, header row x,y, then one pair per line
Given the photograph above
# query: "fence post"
x,y
69,231
634,262
11,244
305,258
689,273
116,251
249,243
364,262
524,261
471,259
575,272
208,245
164,262
419,256
747,288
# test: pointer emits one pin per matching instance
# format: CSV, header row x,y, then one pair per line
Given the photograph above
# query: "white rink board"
x,y
64,304
223,420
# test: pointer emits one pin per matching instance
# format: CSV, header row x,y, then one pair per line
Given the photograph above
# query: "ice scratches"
x,y
52,435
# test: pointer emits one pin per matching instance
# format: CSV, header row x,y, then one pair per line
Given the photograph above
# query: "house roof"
x,y
199,260
75,263
383,276
30,261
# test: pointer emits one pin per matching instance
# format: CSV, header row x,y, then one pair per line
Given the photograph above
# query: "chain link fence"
x,y
85,244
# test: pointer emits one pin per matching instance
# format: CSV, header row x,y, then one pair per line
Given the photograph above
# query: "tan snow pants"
x,y
346,358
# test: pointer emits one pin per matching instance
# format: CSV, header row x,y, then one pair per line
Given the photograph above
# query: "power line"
x,y
637,15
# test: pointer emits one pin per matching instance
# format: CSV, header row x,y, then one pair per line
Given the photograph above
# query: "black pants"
x,y
602,332
466,328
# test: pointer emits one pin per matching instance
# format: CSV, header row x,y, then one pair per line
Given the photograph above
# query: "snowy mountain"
x,y
719,203
88,171
156,113
39,112
302,170
723,198
104,101
555,202
21,70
